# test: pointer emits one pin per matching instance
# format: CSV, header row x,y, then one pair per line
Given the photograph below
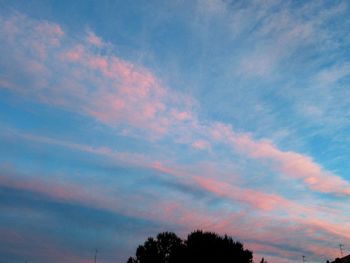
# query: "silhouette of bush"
x,y
199,247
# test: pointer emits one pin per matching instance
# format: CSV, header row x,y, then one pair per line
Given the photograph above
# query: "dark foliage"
x,y
199,247
166,248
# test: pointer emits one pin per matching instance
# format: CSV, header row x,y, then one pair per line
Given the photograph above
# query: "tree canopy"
x,y
199,246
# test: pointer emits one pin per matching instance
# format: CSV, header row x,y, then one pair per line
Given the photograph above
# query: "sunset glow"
x,y
122,119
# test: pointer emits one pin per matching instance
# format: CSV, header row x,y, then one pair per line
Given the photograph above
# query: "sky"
x,y
123,119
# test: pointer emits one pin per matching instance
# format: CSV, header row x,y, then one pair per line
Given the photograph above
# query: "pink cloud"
x,y
269,249
201,144
93,39
73,193
336,229
135,159
312,217
325,251
117,92
104,87
75,54
260,201
57,191
182,115
178,213
5,84
292,164
99,63
256,199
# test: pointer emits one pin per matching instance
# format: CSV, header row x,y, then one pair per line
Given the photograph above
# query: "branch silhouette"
x,y
201,247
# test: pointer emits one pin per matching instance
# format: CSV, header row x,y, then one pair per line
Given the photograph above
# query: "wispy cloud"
x,y
177,143
121,94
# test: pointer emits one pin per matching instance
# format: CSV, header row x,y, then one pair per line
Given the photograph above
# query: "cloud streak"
x,y
199,170
127,96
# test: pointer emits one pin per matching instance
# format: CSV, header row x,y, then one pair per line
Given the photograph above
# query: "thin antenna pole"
x,y
341,247
95,255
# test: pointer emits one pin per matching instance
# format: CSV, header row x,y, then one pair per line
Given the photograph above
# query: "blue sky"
x,y
120,120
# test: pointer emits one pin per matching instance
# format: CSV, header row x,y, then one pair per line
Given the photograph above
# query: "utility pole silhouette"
x,y
341,248
96,255
304,260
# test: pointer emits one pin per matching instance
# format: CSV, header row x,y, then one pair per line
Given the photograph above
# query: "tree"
x,y
263,261
166,248
198,247
210,247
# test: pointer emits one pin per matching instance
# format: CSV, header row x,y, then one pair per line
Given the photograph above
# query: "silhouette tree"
x,y
166,248
210,247
263,261
199,246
